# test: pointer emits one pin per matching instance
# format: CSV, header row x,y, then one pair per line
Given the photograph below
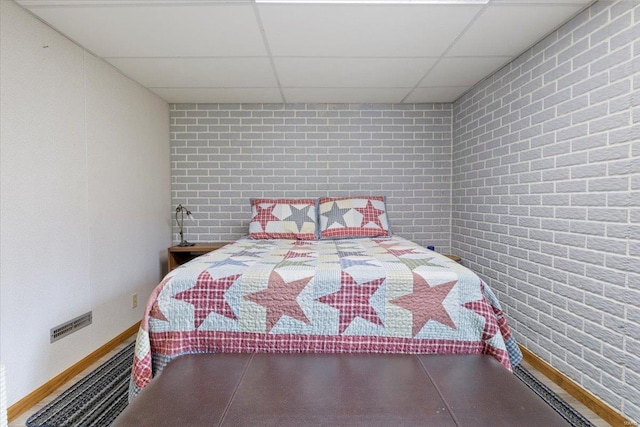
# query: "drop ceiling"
x,y
216,51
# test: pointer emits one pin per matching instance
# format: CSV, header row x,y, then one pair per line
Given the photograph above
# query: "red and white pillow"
x,y
353,216
284,219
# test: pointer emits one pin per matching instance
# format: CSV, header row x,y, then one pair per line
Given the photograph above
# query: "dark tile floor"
x,y
595,419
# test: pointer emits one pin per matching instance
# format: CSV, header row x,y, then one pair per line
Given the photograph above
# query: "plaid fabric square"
x,y
283,219
357,216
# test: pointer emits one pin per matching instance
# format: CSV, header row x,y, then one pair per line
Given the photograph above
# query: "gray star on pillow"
x,y
299,216
336,215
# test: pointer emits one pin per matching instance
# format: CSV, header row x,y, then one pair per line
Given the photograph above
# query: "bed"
x,y
306,282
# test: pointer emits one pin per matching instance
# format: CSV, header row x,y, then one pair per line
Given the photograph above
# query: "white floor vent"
x,y
71,326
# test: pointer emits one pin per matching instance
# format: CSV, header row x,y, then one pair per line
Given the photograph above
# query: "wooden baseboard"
x,y
27,402
596,405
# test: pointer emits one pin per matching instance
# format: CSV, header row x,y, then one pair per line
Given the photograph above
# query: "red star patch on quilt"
x,y
352,300
483,309
400,252
425,303
208,296
155,312
280,299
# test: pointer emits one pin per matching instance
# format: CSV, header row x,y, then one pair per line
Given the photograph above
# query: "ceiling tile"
x,y
345,95
436,94
219,95
462,71
220,29
510,29
243,51
363,30
583,3
351,72
33,3
198,72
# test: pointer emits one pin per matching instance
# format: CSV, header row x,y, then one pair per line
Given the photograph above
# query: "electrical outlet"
x,y
134,300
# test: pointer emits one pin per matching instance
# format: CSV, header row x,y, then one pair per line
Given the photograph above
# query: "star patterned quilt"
x,y
365,295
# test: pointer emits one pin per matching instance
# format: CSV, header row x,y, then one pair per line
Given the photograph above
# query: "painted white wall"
x,y
128,191
85,198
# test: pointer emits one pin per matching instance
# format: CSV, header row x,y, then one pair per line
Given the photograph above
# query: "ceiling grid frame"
x,y
306,51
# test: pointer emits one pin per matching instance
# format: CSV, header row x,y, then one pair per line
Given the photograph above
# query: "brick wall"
x,y
546,196
224,154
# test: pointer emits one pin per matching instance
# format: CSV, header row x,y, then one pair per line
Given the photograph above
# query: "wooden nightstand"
x,y
456,258
178,255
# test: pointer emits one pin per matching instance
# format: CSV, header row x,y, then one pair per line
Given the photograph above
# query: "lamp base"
x,y
185,243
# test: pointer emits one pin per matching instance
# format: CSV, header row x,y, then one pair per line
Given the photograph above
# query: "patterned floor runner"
x,y
98,399
563,408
